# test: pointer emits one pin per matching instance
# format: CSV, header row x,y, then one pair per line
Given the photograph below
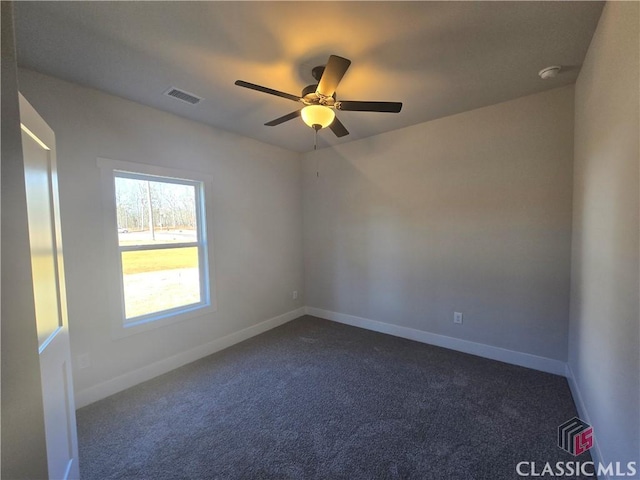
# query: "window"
x,y
159,228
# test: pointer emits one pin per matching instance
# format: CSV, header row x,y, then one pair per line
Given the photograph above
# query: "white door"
x,y
39,150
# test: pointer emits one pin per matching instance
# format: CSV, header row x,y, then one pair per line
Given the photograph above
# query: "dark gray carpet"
x,y
316,399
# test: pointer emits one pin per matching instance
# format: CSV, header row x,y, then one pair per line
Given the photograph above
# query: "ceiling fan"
x,y
320,101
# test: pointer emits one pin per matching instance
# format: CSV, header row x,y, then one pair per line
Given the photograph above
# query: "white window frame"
x,y
110,169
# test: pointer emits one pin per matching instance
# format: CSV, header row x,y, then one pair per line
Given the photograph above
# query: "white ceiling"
x,y
438,58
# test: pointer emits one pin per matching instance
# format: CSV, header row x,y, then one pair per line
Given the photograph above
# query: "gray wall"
x,y
257,221
469,213
24,452
604,328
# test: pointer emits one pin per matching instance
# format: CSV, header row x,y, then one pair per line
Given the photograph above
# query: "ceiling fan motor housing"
x,y
308,91
311,97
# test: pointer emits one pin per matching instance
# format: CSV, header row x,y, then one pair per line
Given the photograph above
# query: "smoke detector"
x,y
549,72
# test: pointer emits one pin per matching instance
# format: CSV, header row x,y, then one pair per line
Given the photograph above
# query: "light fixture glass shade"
x,y
317,115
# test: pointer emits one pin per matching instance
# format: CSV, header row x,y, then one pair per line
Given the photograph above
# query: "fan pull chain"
x,y
315,147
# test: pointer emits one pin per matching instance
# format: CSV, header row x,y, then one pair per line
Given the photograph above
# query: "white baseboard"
x,y
129,379
596,453
535,362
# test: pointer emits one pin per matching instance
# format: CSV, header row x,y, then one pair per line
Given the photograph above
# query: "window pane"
x,y
157,280
151,212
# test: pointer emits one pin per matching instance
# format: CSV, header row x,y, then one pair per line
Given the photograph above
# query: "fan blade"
x,y
350,106
338,128
270,91
333,73
284,118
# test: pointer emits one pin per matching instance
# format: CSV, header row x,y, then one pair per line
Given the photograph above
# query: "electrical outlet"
x,y
294,295
457,317
84,361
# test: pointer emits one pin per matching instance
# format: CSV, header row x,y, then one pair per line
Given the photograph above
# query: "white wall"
x,y
256,223
604,352
24,452
469,213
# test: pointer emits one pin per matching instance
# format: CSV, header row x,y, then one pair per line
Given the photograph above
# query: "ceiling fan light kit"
x,y
317,115
320,99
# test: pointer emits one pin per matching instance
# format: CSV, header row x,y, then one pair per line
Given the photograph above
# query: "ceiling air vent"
x,y
182,95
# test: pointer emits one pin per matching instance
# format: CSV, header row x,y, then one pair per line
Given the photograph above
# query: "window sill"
x,y
162,319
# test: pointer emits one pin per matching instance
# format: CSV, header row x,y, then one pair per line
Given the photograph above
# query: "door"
x,y
43,209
